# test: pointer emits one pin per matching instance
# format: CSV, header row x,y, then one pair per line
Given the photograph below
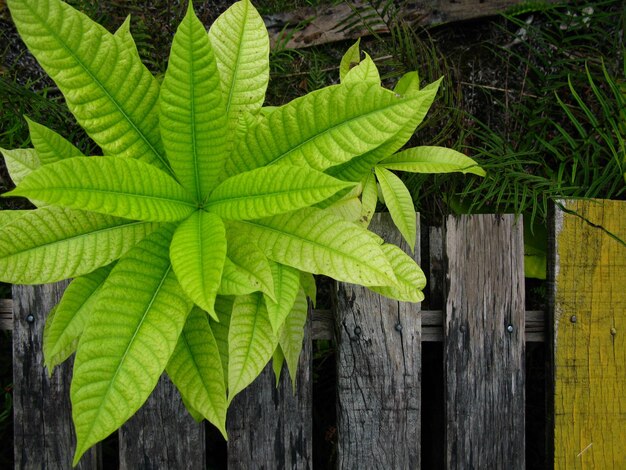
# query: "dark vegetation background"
x,y
535,95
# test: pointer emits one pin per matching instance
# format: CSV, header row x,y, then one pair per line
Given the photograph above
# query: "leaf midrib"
x,y
285,154
308,240
128,348
69,239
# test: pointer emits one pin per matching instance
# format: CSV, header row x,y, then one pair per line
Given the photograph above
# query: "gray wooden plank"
x,y
43,431
270,427
378,375
162,435
484,342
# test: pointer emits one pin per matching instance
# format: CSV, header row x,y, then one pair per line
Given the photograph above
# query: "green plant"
x,y
193,240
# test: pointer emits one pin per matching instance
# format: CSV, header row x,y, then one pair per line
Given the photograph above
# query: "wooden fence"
x,y
381,393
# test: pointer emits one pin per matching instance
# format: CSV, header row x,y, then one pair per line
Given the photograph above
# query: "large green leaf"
x,y
193,115
325,128
112,94
64,328
51,244
196,370
357,168
432,160
307,281
112,185
399,201
286,285
291,336
50,146
271,190
20,163
241,46
128,341
198,251
251,342
319,242
411,279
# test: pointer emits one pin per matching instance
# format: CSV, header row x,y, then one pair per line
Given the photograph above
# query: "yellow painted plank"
x,y
590,336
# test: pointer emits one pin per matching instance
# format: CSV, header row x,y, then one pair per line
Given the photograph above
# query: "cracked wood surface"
x,y
589,321
378,374
43,432
484,342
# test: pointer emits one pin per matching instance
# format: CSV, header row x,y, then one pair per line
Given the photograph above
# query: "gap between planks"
x,y
432,323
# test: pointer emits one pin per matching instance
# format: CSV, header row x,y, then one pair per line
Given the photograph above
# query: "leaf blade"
x,y
400,204
110,383
198,252
193,116
43,245
109,185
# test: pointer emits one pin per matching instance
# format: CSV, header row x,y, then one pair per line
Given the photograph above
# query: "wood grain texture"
x,y
484,361
162,435
6,314
43,431
310,26
378,374
270,427
590,336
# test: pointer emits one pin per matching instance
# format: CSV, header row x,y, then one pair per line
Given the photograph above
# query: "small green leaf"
x,y
50,146
198,251
411,279
223,308
307,281
64,328
193,116
319,242
271,190
286,285
115,186
20,163
51,244
251,342
241,46
432,160
366,72
128,341
400,204
291,336
369,199
246,269
278,358
350,59
408,84
196,369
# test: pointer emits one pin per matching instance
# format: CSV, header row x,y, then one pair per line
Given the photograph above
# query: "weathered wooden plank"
x,y
589,335
331,23
270,427
6,314
162,435
43,431
378,375
484,342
